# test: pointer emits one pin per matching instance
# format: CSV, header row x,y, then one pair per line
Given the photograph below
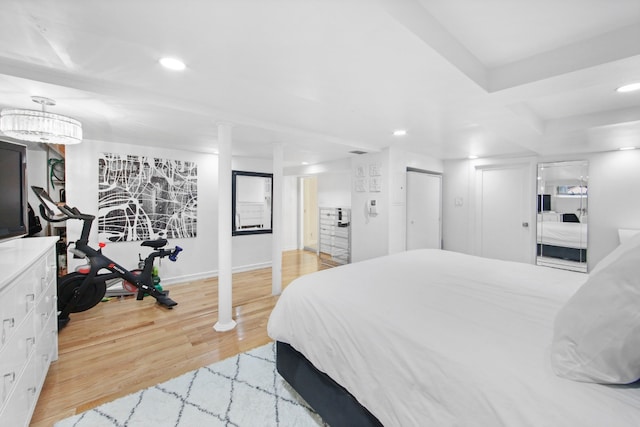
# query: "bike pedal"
x,y
167,302
62,322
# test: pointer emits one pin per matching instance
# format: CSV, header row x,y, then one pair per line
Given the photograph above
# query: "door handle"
x,y
525,224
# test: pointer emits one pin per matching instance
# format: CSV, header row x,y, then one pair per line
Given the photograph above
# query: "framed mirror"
x,y
251,202
562,205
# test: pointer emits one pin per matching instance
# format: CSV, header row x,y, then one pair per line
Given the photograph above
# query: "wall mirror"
x,y
251,197
562,215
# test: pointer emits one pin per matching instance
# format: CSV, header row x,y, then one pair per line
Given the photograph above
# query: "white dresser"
x,y
29,335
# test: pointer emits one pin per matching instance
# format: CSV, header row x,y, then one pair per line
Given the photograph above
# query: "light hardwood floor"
x,y
124,345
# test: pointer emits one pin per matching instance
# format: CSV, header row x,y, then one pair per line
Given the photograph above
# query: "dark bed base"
x,y
571,254
330,400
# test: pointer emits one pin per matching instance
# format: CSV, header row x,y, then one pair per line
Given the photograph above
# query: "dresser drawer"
x,y
20,347
22,400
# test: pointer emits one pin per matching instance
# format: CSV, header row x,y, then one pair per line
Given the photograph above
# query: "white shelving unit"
x,y
334,246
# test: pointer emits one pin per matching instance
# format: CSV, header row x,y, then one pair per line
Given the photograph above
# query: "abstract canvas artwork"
x,y
141,198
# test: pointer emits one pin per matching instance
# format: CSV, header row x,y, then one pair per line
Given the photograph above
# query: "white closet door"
x,y
424,200
504,213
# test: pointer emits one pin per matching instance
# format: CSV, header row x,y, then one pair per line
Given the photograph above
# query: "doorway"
x,y
424,210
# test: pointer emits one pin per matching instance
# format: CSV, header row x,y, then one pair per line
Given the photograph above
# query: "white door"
x,y
504,213
424,200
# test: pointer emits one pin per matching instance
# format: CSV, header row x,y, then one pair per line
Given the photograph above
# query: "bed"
x,y
437,338
565,240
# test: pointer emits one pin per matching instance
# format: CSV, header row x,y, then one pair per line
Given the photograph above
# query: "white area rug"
x,y
244,390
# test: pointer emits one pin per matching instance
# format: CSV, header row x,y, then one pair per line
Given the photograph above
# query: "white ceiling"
x,y
491,77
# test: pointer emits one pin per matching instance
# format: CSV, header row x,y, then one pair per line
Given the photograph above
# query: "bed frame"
x,y
571,254
330,400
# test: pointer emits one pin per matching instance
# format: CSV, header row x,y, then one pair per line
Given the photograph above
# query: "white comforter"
x,y
436,338
565,234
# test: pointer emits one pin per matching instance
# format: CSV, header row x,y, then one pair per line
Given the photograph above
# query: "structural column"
x,y
276,215
225,278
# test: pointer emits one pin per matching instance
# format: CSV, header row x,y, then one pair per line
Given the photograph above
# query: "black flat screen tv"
x,y
13,190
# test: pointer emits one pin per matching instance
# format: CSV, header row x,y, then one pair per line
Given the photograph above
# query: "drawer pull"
x,y
6,325
7,382
31,343
31,298
9,378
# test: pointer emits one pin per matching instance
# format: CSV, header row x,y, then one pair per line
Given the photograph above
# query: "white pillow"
x,y
597,332
628,243
624,234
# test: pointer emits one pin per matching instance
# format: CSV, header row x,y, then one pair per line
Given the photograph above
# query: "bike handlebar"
x,y
74,213
45,214
174,255
48,208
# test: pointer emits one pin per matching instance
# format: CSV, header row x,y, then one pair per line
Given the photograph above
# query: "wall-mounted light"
x,y
399,132
626,148
629,88
172,64
472,157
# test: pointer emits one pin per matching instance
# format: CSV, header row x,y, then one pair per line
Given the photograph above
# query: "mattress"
x,y
565,234
432,337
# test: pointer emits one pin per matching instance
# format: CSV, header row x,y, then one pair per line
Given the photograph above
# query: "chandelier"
x,y
40,126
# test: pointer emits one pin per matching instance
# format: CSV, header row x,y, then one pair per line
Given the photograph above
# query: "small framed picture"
x,y
375,185
360,184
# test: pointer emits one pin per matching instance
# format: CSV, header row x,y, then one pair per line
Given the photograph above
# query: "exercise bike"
x,y
80,291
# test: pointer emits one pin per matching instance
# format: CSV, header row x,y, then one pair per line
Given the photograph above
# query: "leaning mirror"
x,y
251,202
562,215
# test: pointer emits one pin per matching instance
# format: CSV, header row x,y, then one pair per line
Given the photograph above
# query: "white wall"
x,y
384,233
399,161
459,200
200,256
457,203
334,190
370,234
614,199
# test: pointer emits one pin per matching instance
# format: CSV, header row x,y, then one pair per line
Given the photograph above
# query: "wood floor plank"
x,y
124,345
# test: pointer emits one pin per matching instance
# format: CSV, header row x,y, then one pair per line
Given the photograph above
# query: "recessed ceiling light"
x,y
172,64
399,132
629,88
626,148
305,163
472,157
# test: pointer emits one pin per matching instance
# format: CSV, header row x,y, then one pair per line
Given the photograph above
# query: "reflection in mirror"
x,y
562,215
251,202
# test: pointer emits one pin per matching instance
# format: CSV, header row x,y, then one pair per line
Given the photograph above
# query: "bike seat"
x,y
158,243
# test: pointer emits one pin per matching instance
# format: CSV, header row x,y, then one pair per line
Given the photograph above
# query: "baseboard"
x,y
213,273
250,267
